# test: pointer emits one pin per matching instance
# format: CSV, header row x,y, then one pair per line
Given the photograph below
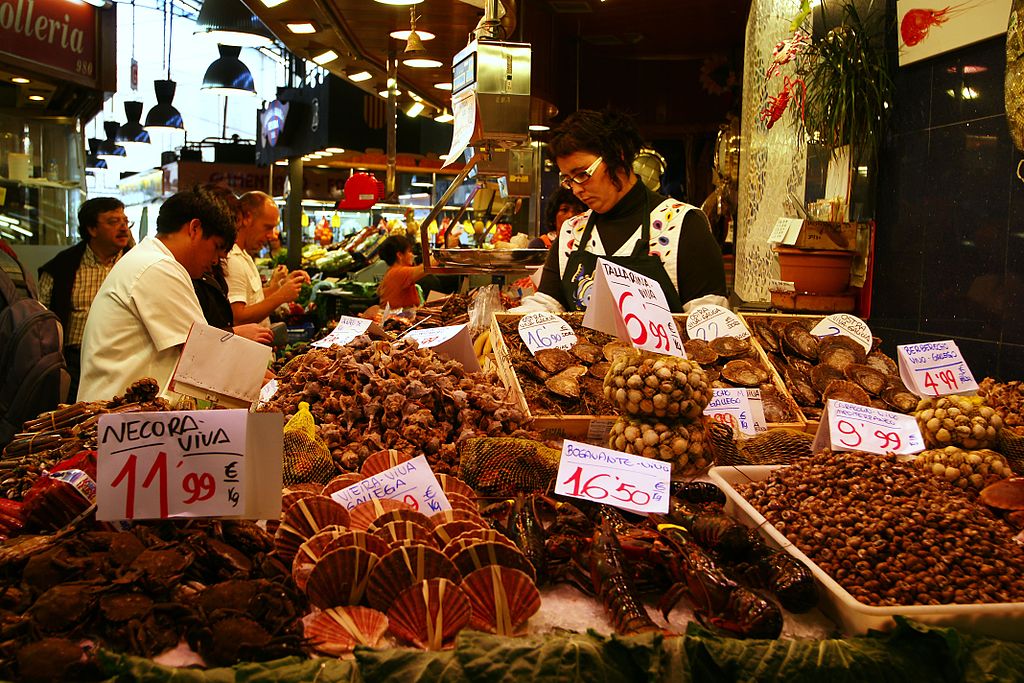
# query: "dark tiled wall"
x,y
950,241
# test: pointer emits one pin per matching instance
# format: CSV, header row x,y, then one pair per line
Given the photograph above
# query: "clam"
x,y
800,387
553,360
700,351
775,409
1007,494
730,347
744,373
899,398
599,369
766,336
800,341
566,383
871,379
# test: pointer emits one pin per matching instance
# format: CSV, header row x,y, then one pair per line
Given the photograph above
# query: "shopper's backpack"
x,y
33,374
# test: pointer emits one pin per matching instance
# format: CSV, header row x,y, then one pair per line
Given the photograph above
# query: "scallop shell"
x,y
766,336
340,577
553,360
822,374
840,351
564,386
799,340
401,568
303,519
843,390
613,349
588,353
290,496
486,553
337,630
881,362
405,530
401,515
502,600
473,537
730,347
383,460
775,408
899,398
461,502
800,387
872,380
430,614
699,351
744,373
451,484
359,539
1007,494
342,481
446,532
312,487
364,514
599,370
445,516
309,553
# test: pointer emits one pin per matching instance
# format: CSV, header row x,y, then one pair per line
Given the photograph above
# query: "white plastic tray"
x,y
999,620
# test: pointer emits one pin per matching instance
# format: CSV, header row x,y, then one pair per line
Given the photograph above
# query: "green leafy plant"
x,y
848,81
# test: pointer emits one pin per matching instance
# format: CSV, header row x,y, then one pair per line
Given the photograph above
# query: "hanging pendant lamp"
x,y
228,75
109,149
131,131
229,22
92,159
163,115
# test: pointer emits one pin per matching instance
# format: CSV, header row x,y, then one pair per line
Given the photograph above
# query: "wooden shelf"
x,y
415,170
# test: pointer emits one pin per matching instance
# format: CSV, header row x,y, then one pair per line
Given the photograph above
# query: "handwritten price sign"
x,y
845,324
935,369
412,482
452,341
741,409
632,307
605,476
709,322
851,427
347,329
545,331
177,464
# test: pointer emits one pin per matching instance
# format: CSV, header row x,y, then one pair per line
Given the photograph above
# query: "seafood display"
x,y
958,421
816,369
964,469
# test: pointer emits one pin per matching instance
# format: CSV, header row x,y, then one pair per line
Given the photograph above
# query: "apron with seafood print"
x,y
578,273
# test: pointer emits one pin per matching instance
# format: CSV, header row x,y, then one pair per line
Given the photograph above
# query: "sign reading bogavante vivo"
x,y
58,34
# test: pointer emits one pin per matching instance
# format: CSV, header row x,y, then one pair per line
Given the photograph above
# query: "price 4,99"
x,y
947,377
197,486
643,329
590,489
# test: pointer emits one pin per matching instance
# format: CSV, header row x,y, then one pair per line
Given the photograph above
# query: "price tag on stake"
x,y
545,331
935,369
785,231
602,475
268,391
845,324
452,341
632,307
742,409
347,329
411,482
188,464
852,427
709,322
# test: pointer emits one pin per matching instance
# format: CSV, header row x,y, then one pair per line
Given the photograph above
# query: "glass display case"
x,y
42,179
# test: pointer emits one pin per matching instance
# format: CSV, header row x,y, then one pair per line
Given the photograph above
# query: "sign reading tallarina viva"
x,y
57,34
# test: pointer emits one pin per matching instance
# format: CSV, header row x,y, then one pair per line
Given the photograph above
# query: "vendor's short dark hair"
x,y
393,246
562,195
89,213
213,213
224,194
609,134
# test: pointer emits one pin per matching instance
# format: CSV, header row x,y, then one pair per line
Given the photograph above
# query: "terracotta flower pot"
x,y
817,271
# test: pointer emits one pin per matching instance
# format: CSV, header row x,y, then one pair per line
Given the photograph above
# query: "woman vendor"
x,y
398,287
562,206
627,224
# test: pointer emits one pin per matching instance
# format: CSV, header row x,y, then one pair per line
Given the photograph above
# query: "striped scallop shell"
x,y
337,630
475,536
449,530
310,552
359,539
486,553
364,514
461,502
445,516
383,460
342,481
395,532
340,577
400,515
401,568
502,600
451,484
429,614
303,519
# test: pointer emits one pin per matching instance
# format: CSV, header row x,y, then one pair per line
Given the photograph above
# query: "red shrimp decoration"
x,y
777,104
916,23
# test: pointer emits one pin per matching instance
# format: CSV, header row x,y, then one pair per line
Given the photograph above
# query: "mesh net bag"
x,y
505,466
1011,445
306,457
775,447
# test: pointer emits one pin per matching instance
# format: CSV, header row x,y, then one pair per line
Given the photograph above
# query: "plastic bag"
x,y
486,302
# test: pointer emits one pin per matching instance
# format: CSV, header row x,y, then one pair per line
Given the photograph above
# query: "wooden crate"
x,y
595,428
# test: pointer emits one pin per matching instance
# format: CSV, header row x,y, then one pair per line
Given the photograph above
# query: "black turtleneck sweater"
x,y
699,266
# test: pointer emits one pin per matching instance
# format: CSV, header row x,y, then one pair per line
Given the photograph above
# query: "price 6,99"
x,y
594,488
639,330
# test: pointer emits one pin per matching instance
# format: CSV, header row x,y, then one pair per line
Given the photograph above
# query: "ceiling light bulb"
x,y
443,86
360,77
415,110
538,127
36,98
399,2
404,35
335,150
444,117
390,82
421,63
301,27
384,93
20,80
272,3
325,57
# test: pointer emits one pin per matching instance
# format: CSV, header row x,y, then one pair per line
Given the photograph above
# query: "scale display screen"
x,y
464,73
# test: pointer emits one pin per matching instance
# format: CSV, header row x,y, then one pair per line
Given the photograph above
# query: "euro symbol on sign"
x,y
231,471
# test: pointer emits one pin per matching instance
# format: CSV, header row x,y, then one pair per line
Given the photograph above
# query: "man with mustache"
x,y
68,283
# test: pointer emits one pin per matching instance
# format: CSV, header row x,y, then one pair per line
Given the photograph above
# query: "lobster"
x,y
778,572
717,600
611,580
777,104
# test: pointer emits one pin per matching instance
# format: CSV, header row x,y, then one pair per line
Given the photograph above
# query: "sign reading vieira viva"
x,y
54,33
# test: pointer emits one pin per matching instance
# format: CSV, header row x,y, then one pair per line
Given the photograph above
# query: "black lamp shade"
x,y
109,149
92,159
231,23
131,131
228,75
163,115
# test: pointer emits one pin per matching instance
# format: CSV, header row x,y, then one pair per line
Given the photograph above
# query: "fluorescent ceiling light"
x,y
384,93
20,80
280,163
325,57
414,110
335,150
301,27
444,118
404,35
273,3
538,127
360,77
421,63
399,2
322,166
443,86
36,98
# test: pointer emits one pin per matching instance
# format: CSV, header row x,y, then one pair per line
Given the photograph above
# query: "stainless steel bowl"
x,y
491,257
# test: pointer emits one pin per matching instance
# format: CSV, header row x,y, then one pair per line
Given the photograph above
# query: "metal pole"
x,y
293,213
392,124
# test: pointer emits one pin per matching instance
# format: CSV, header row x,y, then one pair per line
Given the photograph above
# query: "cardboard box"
x,y
825,235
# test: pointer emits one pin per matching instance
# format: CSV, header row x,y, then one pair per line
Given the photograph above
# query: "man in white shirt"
x,y
251,302
142,313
